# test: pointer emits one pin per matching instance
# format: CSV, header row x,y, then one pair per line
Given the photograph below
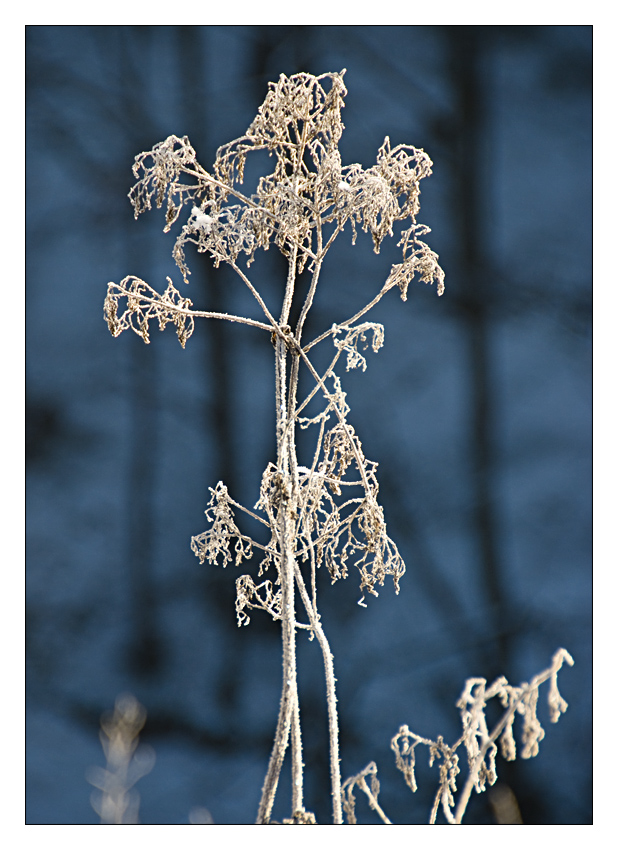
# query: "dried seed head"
x,y
300,125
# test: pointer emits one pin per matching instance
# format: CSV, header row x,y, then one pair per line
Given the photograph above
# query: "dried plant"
x,y
480,744
371,792
325,514
117,801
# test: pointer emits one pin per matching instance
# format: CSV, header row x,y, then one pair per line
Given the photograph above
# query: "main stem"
x,y
331,699
288,513
289,715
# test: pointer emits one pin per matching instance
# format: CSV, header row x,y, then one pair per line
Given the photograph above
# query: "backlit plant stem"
x,y
301,207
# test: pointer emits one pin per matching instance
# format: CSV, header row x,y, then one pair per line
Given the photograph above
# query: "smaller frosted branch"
x,y
371,792
480,744
145,304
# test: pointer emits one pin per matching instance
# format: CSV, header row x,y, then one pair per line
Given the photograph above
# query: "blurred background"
x,y
477,409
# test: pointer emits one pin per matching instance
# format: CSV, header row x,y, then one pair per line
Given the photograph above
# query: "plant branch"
x,y
331,697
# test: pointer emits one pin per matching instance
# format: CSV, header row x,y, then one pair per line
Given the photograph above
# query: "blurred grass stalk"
x,y
115,800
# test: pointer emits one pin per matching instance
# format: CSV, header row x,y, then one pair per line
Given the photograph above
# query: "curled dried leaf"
x,y
371,791
215,542
161,169
355,337
250,596
143,303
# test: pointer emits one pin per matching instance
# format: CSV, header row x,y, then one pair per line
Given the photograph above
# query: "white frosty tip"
x,y
201,219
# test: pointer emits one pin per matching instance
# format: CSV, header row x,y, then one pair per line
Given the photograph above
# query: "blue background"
x,y
477,410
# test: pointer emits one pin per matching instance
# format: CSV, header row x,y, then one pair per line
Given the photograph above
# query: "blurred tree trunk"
x,y
466,51
146,647
217,586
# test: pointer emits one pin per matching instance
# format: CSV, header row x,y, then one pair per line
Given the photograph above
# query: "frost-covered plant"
x,y
326,513
479,742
